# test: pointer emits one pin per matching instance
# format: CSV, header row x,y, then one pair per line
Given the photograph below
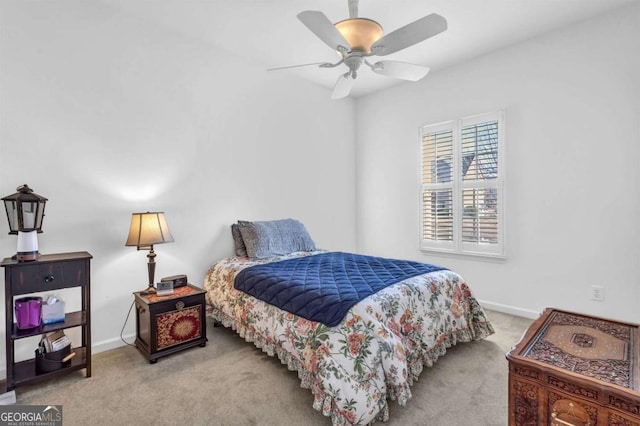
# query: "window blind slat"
x,y
437,156
480,216
479,151
437,215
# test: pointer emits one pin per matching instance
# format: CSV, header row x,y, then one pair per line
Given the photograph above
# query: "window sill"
x,y
465,254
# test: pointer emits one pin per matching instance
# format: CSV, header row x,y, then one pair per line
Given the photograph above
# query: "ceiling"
x,y
268,33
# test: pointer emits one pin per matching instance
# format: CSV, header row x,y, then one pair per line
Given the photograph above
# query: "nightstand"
x,y
168,324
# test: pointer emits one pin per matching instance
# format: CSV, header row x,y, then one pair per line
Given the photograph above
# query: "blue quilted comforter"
x,y
325,286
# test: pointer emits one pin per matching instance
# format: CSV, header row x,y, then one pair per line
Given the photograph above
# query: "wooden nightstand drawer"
x,y
168,324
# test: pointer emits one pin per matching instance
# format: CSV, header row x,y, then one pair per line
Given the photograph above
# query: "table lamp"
x,y
146,230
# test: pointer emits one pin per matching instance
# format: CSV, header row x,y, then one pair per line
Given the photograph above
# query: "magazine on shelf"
x,y
55,341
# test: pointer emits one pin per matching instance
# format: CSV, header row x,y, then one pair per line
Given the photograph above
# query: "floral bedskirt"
x,y
377,351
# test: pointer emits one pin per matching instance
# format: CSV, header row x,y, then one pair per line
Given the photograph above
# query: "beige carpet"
x,y
230,382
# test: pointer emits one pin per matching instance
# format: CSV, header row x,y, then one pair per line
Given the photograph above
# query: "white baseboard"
x,y
8,398
109,344
511,310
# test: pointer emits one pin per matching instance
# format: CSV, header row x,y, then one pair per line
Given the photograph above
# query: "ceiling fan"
x,y
355,39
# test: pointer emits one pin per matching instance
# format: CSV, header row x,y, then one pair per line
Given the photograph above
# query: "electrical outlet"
x,y
597,293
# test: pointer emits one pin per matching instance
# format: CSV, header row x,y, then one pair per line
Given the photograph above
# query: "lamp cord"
x,y
124,325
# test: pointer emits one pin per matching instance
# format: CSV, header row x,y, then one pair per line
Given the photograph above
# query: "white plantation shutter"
x,y
437,185
463,186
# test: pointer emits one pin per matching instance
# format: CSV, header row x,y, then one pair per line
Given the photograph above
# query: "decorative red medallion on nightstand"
x,y
178,327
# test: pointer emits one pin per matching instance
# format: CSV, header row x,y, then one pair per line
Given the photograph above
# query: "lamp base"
x,y
27,246
148,291
26,256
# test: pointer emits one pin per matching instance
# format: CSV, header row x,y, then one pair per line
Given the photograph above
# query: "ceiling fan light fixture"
x,y
361,33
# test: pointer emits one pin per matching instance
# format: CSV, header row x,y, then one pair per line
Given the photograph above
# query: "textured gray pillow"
x,y
238,242
275,237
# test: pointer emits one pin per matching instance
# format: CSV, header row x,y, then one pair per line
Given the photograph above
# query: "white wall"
x,y
106,114
572,101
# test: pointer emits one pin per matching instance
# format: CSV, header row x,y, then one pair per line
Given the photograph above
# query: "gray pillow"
x,y
275,237
238,242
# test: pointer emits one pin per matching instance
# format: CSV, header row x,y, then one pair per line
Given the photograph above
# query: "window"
x,y
463,186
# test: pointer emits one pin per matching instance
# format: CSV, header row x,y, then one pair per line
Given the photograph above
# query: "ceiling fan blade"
x,y
410,34
326,64
343,86
320,25
401,70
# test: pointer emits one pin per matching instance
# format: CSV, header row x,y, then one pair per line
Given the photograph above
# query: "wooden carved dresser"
x,y
573,369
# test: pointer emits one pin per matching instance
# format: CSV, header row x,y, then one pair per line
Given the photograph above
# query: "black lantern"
x,y
25,211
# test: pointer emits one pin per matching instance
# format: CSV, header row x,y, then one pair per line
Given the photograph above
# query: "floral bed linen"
x,y
377,351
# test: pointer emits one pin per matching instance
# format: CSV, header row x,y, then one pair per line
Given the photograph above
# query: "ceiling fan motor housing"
x,y
353,61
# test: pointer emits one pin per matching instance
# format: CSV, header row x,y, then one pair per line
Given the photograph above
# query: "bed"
x,y
373,354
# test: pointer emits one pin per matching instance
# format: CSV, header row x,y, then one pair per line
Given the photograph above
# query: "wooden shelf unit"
x,y
47,273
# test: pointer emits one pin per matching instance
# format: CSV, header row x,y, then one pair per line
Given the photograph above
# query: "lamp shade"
x,y
148,229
